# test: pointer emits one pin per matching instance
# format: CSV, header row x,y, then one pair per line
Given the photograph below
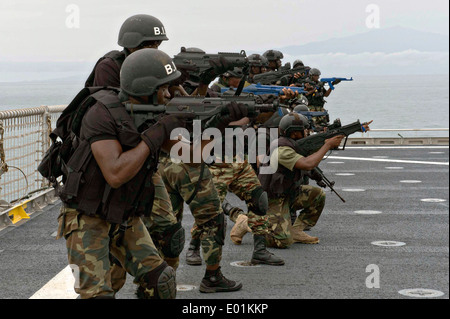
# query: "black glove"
x,y
314,175
336,82
157,134
218,67
237,111
321,184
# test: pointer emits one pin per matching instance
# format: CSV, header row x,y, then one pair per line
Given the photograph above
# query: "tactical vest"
x,y
85,188
117,56
283,180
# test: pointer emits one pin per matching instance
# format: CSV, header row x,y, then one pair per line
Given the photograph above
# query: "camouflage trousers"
x,y
161,218
318,120
181,181
310,200
241,180
90,240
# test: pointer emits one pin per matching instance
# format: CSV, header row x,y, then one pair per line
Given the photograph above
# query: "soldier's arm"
x,y
327,93
119,167
312,161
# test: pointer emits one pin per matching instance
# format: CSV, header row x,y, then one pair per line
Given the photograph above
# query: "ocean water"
x,y
392,102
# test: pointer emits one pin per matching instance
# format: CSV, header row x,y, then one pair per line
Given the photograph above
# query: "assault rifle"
x,y
311,144
196,61
327,182
333,81
195,108
259,89
283,76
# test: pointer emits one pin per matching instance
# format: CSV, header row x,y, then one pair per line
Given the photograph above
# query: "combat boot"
x,y
299,236
240,229
215,281
261,255
193,257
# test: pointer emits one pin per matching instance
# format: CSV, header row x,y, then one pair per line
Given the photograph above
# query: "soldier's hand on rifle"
x,y
218,67
365,126
288,94
157,134
337,81
237,111
335,141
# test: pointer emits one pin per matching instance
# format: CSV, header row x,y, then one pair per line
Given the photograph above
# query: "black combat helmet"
x,y
145,70
236,72
273,55
314,71
302,100
301,108
293,122
257,60
140,28
298,63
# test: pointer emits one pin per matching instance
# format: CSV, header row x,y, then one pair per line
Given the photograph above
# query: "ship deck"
x,y
395,195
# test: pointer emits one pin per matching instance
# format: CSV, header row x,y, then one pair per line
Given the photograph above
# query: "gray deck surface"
x,y
336,268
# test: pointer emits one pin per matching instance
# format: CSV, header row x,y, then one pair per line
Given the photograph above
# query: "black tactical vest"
x,y
283,180
87,190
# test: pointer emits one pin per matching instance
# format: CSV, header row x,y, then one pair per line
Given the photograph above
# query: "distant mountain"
x,y
389,40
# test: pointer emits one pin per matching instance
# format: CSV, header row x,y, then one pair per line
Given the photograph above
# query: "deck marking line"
x,y
388,160
395,147
59,287
421,293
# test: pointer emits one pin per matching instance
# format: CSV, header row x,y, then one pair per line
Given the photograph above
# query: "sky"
x,y
83,30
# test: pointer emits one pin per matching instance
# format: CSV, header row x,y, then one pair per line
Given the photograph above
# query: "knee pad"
x,y
259,203
173,241
160,283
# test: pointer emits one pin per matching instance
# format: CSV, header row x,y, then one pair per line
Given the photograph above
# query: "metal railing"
x,y
408,130
24,139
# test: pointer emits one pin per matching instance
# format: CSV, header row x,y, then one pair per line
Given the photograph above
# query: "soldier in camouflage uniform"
x,y
101,216
192,183
285,188
316,93
136,33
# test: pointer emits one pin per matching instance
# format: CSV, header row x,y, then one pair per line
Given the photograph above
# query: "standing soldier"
x,y
136,33
109,185
192,183
316,93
